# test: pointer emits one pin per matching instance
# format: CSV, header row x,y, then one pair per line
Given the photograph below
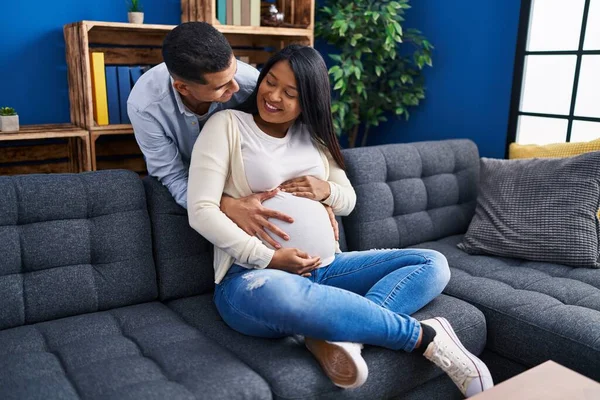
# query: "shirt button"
x,y
193,123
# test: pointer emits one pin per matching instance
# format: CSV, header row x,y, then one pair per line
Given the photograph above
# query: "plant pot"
x,y
9,123
135,17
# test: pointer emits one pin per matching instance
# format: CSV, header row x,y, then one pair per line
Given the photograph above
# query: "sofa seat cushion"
x,y
535,311
137,352
293,373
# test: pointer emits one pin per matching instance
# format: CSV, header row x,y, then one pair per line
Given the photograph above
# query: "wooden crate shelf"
x,y
55,148
298,13
131,149
140,44
120,43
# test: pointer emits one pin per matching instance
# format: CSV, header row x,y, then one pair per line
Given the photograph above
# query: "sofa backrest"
x,y
183,258
72,244
411,193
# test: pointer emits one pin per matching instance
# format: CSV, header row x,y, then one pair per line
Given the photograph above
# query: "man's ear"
x,y
181,87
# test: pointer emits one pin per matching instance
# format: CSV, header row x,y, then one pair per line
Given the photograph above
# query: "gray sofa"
x,y
106,292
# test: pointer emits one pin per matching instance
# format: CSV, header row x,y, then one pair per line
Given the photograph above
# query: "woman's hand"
x,y
249,214
307,186
294,261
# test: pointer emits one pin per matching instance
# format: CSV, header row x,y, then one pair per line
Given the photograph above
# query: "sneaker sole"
x,y
339,365
485,378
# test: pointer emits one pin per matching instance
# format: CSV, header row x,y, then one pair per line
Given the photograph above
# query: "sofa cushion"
x,y
183,258
538,209
534,311
71,244
293,373
410,193
552,150
138,352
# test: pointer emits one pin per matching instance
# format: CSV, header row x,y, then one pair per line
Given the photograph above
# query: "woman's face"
x,y
277,98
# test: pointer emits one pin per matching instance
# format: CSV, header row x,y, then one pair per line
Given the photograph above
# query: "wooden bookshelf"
x,y
298,13
49,148
140,44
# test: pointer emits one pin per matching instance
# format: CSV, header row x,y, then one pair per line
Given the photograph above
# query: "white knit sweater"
x,y
217,168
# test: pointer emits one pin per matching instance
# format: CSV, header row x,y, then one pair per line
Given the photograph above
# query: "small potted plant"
x,y
135,14
9,120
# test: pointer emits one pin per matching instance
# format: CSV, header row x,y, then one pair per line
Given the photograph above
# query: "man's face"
x,y
219,87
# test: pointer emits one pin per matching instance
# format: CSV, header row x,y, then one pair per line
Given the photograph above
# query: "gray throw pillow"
x,y
539,210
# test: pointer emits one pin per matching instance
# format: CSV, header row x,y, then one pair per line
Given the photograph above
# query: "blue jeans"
x,y
363,297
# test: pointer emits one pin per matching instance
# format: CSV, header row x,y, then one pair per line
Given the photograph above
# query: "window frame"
x,y
519,69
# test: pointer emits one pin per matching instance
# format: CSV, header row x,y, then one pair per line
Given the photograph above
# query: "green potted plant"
x,y
136,13
377,71
9,120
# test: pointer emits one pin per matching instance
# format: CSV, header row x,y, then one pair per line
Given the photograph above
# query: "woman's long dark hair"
x,y
314,94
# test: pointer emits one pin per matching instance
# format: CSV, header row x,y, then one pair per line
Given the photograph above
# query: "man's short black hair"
x,y
193,49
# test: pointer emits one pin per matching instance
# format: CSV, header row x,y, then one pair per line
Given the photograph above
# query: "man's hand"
x,y
307,186
249,214
334,223
294,261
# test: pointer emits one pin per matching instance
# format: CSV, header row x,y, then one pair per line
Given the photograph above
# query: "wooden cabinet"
x,y
45,149
140,44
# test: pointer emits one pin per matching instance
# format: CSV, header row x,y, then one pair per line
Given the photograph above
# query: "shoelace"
x,y
458,374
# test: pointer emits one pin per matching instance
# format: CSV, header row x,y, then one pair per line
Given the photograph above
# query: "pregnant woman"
x,y
283,137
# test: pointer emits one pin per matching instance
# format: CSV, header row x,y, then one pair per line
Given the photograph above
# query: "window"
x,y
556,87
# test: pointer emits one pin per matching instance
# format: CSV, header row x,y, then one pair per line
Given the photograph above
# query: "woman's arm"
x,y
342,197
209,169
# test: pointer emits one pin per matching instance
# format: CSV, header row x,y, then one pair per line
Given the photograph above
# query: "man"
x,y
170,103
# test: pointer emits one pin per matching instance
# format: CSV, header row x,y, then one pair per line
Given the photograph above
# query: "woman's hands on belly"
x,y
311,232
307,186
294,261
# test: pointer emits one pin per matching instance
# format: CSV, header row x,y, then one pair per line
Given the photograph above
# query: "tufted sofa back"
x,y
72,244
411,193
184,259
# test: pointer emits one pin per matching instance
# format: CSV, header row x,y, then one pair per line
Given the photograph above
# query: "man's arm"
x,y
164,162
162,155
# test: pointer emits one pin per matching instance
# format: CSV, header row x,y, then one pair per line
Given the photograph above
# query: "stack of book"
x,y
111,86
239,12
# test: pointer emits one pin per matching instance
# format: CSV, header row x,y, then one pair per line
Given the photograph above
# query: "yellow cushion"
x,y
554,150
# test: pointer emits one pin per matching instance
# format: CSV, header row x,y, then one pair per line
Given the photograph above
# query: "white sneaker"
x,y
341,361
468,372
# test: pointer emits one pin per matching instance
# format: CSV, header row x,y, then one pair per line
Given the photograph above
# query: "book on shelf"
x,y
222,11
245,11
119,82
229,12
112,95
135,72
254,12
237,12
124,91
99,98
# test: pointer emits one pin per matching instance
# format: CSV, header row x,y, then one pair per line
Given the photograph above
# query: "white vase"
x,y
9,123
135,17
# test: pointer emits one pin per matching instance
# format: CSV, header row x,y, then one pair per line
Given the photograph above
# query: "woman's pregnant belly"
x,y
311,230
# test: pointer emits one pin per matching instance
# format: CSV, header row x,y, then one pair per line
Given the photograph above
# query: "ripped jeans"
x,y
364,297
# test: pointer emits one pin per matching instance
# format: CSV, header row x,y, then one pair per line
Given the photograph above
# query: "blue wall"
x,y
468,89
33,71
